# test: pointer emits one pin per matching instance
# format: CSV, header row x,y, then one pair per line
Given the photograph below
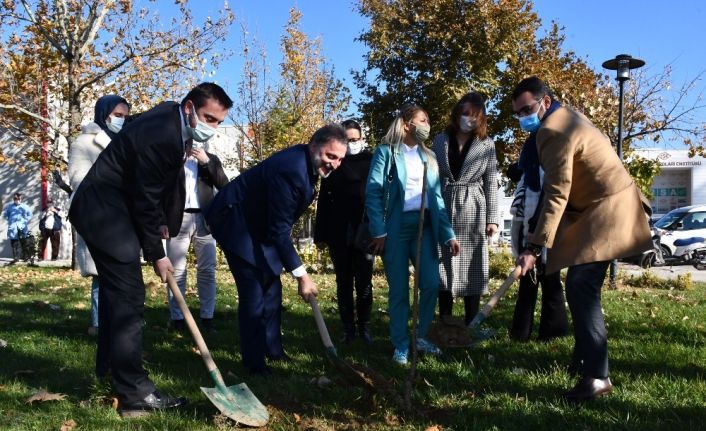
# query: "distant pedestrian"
x,y
18,216
50,224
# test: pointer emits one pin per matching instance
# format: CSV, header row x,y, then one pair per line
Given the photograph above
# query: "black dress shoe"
x,y
364,332
589,388
153,401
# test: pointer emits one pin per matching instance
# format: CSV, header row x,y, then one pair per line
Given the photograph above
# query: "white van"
x,y
684,222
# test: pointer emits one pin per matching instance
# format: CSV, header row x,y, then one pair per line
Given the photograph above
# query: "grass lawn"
x,y
657,354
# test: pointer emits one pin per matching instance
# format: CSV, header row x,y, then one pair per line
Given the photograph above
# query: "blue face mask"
x,y
530,123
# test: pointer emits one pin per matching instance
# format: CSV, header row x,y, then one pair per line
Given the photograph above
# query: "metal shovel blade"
x,y
239,403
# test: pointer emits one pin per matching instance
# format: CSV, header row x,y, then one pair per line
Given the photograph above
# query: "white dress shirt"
x,y
415,175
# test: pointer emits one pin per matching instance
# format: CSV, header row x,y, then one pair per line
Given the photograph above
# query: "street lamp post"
x,y
622,64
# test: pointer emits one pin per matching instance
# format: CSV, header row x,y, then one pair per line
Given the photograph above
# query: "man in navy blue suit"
x,y
251,218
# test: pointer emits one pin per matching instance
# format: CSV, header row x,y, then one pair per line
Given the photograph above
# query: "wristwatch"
x,y
535,249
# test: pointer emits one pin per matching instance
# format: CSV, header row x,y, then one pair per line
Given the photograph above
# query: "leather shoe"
x,y
589,388
153,401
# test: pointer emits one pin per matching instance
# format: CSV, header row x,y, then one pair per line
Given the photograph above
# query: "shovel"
x,y
492,302
236,402
356,374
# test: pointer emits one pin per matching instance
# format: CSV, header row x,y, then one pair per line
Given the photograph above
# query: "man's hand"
x,y
491,229
164,231
527,261
307,288
200,155
162,267
455,247
377,245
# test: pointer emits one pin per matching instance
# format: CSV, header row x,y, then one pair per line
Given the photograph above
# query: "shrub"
x,y
501,262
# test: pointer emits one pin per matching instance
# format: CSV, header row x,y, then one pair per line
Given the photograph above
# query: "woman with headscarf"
x,y
109,116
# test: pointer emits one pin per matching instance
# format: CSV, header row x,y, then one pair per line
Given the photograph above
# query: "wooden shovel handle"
x,y
205,354
480,317
325,337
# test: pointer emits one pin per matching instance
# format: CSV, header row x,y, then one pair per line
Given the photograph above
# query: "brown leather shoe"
x,y
588,388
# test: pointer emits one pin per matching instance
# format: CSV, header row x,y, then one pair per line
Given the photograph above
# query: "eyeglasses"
x,y
527,110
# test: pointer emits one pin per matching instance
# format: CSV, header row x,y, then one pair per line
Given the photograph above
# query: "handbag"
x,y
362,238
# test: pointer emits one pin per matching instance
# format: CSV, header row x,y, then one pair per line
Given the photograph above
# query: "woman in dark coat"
x,y
339,212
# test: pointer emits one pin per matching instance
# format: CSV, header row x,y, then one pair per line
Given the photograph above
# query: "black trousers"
x,y
553,321
471,304
259,312
121,307
55,237
583,293
353,270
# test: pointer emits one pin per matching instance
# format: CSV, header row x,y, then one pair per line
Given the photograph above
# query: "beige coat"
x,y
592,211
84,152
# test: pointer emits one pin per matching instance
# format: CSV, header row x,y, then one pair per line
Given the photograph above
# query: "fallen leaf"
x,y
196,350
68,425
43,395
3,344
434,428
297,418
428,383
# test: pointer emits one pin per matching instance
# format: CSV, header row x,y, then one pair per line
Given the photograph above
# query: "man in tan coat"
x,y
591,213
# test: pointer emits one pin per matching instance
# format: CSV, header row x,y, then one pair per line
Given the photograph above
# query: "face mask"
x,y
355,147
467,123
530,123
421,132
116,123
202,132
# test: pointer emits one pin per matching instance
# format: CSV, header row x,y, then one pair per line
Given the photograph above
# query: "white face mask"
x,y
355,147
467,123
202,132
116,123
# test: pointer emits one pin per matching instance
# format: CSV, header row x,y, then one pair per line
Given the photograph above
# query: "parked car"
x,y
685,222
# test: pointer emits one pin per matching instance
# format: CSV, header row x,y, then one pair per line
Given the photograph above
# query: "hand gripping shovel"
x,y
492,302
237,402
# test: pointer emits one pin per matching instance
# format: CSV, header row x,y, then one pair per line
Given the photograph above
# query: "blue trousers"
x,y
259,312
398,253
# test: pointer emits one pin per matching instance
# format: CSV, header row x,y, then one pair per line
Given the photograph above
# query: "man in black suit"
x,y
118,210
252,218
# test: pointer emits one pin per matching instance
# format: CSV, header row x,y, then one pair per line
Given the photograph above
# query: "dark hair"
x,y
17,195
477,101
535,86
330,132
351,124
208,90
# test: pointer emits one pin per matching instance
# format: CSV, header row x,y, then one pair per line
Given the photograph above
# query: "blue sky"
x,y
658,32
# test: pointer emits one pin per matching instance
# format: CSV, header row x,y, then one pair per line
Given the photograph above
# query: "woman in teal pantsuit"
x,y
393,200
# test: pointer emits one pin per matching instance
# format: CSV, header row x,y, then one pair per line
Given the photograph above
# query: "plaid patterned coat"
x,y
471,201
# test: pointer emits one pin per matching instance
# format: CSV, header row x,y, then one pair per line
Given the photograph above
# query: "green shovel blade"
x,y
239,403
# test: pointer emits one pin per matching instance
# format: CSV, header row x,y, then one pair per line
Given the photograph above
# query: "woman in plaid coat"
x,y
467,167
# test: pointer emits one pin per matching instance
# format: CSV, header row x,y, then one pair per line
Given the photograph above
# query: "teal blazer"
x,y
377,190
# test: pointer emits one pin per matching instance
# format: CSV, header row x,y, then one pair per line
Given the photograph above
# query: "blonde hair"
x,y
395,133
